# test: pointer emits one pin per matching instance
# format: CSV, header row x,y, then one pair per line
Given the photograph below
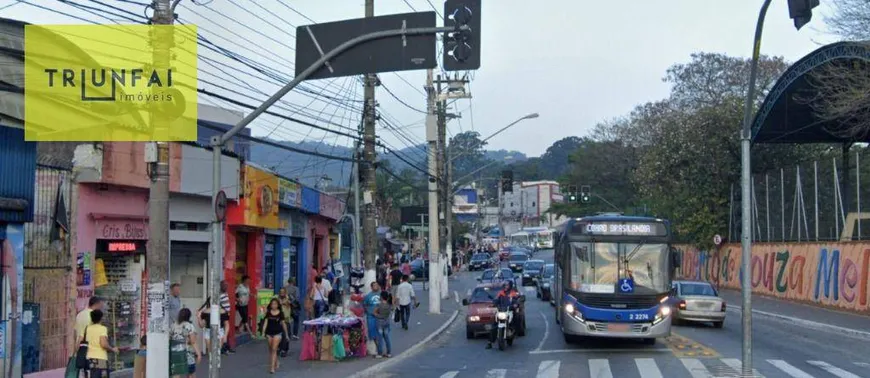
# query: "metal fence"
x,y
810,201
48,267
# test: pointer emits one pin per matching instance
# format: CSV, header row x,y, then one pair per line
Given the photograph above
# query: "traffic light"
x,y
801,11
507,181
572,194
462,47
585,194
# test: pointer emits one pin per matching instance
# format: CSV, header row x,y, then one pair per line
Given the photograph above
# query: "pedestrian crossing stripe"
x,y
648,368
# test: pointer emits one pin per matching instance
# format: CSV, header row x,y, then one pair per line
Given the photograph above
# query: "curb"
x,y
376,368
809,323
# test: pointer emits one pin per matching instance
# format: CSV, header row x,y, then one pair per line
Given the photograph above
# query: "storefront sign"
x,y
115,230
100,278
265,200
121,246
285,267
259,206
289,193
83,269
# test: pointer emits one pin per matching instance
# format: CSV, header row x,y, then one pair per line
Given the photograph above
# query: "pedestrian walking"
x,y
243,297
83,318
395,279
370,303
225,309
287,309
405,296
174,301
96,336
204,323
383,313
274,328
318,295
293,293
183,349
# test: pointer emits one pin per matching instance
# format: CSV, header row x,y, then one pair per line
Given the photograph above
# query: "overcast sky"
x,y
576,62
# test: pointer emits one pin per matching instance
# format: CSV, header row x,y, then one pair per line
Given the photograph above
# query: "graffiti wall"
x,y
832,275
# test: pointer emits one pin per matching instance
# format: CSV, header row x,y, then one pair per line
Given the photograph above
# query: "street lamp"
x,y
801,11
525,117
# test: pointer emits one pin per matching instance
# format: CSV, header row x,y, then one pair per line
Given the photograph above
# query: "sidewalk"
x,y
784,309
251,359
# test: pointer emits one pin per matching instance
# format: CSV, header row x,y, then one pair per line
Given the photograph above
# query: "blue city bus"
x,y
613,277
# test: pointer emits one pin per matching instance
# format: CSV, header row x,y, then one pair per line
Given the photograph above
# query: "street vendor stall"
x,y
333,338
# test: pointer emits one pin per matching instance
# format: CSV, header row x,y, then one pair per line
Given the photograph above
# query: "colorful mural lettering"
x,y
13,273
832,275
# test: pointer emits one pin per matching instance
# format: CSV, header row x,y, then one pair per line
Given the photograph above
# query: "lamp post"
x,y
470,148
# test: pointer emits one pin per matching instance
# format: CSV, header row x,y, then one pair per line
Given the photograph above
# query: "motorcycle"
x,y
504,321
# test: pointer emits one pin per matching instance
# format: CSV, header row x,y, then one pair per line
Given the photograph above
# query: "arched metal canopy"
x,y
786,117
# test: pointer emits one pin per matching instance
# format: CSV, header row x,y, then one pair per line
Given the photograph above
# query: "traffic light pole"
x,y
746,211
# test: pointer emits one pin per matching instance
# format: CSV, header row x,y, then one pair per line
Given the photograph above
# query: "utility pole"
x,y
370,230
444,187
355,260
449,195
434,243
157,257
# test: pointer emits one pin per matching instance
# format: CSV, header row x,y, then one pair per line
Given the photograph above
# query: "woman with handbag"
x,y
183,350
274,328
95,344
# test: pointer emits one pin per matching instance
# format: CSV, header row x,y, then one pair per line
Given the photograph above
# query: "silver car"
x,y
695,301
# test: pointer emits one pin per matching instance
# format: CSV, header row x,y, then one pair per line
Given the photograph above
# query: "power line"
x,y
400,100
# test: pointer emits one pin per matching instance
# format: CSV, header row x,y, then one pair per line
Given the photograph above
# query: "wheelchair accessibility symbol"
x,y
626,285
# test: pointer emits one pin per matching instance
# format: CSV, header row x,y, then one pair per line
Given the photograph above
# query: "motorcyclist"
x,y
507,297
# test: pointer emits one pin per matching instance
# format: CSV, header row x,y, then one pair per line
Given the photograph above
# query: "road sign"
x,y
717,239
626,285
220,206
381,55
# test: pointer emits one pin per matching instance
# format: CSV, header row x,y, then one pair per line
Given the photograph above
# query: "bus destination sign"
x,y
625,229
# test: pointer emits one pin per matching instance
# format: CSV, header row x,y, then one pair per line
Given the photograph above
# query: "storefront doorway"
x,y
118,278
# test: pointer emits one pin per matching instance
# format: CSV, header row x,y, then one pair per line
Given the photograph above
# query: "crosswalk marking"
x,y
737,365
789,369
647,368
496,373
696,368
549,369
449,374
599,368
833,369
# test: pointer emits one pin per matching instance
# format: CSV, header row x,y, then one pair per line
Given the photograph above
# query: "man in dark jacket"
x,y
506,298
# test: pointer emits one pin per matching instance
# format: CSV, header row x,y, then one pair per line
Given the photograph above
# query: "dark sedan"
x,y
544,283
516,261
480,261
497,276
420,269
531,271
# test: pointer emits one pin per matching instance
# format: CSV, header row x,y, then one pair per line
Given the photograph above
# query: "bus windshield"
x,y
597,267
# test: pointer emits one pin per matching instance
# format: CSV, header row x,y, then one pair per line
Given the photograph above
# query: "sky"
x,y
575,62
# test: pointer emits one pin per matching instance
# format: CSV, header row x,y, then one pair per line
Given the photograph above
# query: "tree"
x,y
842,94
687,148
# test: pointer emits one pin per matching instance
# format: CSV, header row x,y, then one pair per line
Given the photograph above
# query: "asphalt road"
x,y
780,349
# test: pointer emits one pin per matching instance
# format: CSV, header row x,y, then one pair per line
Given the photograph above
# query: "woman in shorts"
x,y
274,328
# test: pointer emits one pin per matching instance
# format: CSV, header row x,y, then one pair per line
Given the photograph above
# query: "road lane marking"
x,y
496,373
696,368
789,369
449,374
863,364
599,368
685,347
529,289
737,365
548,369
456,296
809,323
832,369
546,332
647,368
602,350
